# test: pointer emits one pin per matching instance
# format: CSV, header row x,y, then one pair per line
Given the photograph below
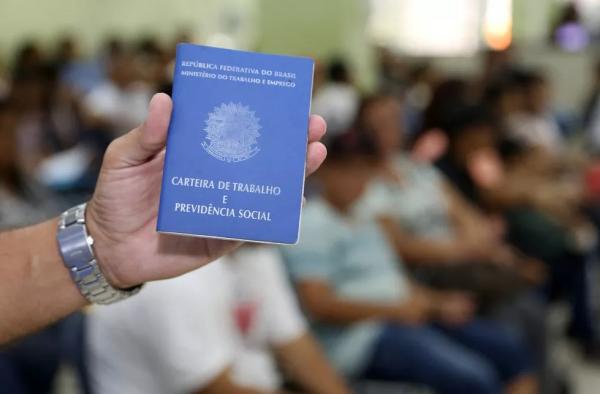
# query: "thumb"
x,y
145,141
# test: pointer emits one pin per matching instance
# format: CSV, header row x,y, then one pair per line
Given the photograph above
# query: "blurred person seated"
x,y
120,102
66,53
225,328
503,100
495,64
446,95
499,173
154,65
447,241
506,100
534,125
337,100
28,366
429,222
372,320
419,93
47,121
393,71
23,201
430,143
569,31
81,75
519,103
28,99
29,60
543,217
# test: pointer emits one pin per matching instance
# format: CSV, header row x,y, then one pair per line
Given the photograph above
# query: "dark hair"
x,y
25,52
149,46
446,96
498,87
113,47
338,71
418,71
28,60
511,149
527,79
464,117
349,146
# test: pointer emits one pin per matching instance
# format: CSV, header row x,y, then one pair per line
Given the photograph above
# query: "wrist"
x,y
434,303
103,246
456,250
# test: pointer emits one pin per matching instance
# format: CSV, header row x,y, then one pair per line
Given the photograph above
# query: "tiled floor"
x,y
584,376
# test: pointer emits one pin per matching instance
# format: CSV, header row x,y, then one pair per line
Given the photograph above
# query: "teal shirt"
x,y
417,201
357,262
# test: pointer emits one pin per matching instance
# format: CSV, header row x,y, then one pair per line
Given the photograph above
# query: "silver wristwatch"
x,y
75,245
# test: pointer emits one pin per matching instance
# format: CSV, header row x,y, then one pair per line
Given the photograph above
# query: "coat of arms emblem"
x,y
232,131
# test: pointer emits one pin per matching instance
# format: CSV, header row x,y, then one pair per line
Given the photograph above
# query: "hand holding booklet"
x,y
236,148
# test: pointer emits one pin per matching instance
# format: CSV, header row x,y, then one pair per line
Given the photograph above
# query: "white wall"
x,y
319,28
93,20
310,27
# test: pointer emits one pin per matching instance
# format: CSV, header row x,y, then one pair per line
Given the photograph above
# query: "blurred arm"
x,y
465,216
322,304
35,286
306,365
418,250
223,384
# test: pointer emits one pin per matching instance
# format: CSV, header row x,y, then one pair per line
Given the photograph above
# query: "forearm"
x,y
224,384
340,311
35,286
417,250
508,194
464,215
305,364
234,389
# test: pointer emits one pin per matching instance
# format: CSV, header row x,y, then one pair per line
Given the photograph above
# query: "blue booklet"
x,y
236,149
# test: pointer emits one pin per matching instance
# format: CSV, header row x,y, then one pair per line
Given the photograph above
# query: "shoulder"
x,y
375,201
317,213
259,261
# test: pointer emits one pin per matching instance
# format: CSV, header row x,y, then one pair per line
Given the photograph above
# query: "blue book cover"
x,y
235,160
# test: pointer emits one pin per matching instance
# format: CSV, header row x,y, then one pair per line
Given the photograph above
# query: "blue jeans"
x,y
477,358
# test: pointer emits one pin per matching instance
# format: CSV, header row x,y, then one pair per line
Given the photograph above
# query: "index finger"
x,y
317,128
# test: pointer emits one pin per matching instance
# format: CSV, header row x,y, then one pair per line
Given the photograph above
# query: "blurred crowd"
x,y
60,110
452,214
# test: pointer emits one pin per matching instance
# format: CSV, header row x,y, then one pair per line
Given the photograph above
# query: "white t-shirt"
x,y
123,108
178,335
337,103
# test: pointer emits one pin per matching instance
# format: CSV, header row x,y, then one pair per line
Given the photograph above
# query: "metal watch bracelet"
x,y
75,246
